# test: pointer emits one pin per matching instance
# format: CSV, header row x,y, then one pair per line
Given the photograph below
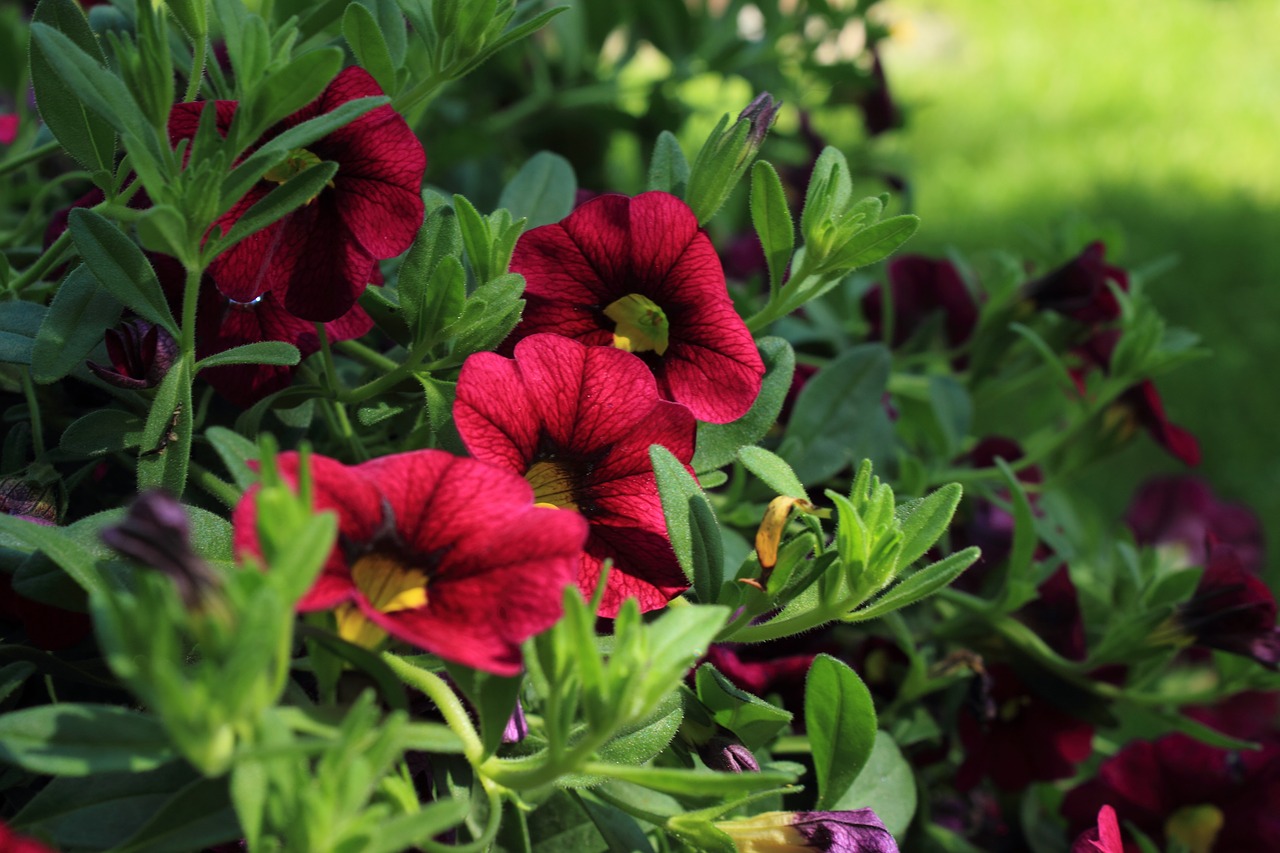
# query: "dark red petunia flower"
x,y
1055,615
12,842
1182,511
9,123
1103,838
319,258
141,354
1079,289
576,422
638,274
1019,737
922,287
984,523
223,323
446,553
1231,610
1140,405
1176,788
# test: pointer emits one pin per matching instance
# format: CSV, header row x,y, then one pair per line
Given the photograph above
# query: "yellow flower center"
x,y
388,586
641,325
1195,827
553,485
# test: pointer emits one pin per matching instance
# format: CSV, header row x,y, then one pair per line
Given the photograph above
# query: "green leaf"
x,y
195,817
772,471
920,585
79,315
389,686
753,720
840,717
259,352
668,169
838,416
875,243
432,301
885,785
620,830
404,832
100,810
391,25
19,324
166,436
120,267
71,739
1025,537
691,524
86,136
60,547
542,191
718,444
772,221
102,431
693,783
236,452
363,34
924,520
281,94
299,190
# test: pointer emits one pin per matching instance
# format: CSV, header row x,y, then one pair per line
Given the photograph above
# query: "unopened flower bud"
x,y
141,354
157,533
728,755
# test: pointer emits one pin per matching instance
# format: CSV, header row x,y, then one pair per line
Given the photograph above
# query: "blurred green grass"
x,y
1160,118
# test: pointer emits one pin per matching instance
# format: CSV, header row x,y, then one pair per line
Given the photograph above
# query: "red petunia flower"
x,y
921,288
319,258
9,123
1079,289
1232,610
638,274
1176,788
445,553
1022,738
577,422
12,842
1104,838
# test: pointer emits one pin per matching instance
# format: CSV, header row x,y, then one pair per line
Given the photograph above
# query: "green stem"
x,y
486,837
51,257
368,355
197,70
390,379
437,690
410,98
30,157
33,412
215,486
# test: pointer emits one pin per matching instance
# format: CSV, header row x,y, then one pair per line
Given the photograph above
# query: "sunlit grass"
x,y
1159,117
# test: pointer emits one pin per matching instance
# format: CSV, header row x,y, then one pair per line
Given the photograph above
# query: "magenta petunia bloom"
x,y
9,123
445,553
1103,838
638,274
319,258
577,422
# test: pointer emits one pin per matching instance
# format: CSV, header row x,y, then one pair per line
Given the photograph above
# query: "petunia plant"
x,y
439,426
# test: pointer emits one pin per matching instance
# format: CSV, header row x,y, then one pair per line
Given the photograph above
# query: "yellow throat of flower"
x,y
1195,827
553,485
388,586
640,324
295,163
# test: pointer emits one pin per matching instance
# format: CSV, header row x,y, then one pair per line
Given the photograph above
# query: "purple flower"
x,y
1182,511
157,533
858,831
728,755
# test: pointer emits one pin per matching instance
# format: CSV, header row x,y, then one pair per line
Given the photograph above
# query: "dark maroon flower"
x,y
1252,714
446,553
1079,289
1055,615
744,258
1176,788
1231,610
1182,511
141,354
638,274
728,755
922,287
577,422
156,532
1103,838
1140,405
1016,737
319,258
858,831
879,112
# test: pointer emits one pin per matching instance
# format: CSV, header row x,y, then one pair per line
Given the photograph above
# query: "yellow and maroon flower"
x,y
446,553
319,258
639,275
576,422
